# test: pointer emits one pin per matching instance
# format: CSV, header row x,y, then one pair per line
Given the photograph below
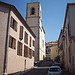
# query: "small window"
x,y
25,51
19,51
32,11
21,33
12,42
13,24
26,38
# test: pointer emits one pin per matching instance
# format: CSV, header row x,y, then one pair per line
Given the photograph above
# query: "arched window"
x,y
32,11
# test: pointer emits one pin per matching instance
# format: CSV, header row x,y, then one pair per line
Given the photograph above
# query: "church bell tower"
x,y
34,19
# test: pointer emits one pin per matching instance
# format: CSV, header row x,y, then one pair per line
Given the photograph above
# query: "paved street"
x,y
38,71
41,69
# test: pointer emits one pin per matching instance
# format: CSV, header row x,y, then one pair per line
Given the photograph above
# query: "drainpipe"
x,y
6,44
38,35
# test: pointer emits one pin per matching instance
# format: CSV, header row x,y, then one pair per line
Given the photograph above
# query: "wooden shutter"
x,y
10,39
30,41
18,48
11,24
16,27
33,43
24,50
21,33
15,44
25,37
27,51
21,49
31,53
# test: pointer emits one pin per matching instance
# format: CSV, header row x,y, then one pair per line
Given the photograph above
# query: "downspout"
x,y
6,44
38,34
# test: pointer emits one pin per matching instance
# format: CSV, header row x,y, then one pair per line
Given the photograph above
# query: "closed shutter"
x,y
25,37
21,49
15,43
30,41
21,33
11,24
16,27
27,51
31,53
10,39
24,50
18,48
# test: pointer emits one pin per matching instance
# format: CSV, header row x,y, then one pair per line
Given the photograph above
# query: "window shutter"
x,y
16,27
18,48
15,43
21,33
11,24
31,53
21,49
25,37
27,51
10,39
30,41
24,50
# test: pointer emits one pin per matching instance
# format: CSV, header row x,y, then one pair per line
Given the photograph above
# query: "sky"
x,y
53,15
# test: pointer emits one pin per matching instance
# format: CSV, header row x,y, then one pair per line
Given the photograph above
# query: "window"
x,y
13,24
32,11
21,33
33,53
30,53
46,47
19,51
25,51
26,38
30,41
33,43
12,42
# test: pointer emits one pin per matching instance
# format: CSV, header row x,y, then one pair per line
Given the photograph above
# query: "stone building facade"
x,y
16,41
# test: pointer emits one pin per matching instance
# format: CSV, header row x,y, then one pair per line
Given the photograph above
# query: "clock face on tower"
x,y
32,11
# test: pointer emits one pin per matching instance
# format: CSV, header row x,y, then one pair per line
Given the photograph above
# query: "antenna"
x,y
34,0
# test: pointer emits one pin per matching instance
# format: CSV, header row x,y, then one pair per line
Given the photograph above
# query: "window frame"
x,y
12,24
26,38
12,42
32,11
25,52
19,51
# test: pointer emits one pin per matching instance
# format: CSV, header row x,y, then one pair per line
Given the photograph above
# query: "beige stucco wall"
x,y
42,44
73,51
16,63
72,19
3,29
54,51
